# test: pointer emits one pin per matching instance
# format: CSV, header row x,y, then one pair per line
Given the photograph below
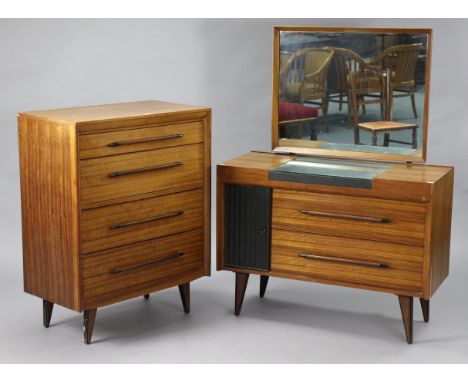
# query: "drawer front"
x,y
355,217
131,222
361,262
119,176
140,139
151,263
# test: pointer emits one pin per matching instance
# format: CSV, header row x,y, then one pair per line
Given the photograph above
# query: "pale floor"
x,y
296,322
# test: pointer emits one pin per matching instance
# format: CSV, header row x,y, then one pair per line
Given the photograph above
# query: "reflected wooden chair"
x,y
346,61
360,85
303,79
401,60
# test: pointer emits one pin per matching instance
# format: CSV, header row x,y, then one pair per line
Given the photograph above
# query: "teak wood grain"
x,y
70,203
140,139
117,112
402,222
49,207
401,264
400,182
176,213
416,197
113,177
154,261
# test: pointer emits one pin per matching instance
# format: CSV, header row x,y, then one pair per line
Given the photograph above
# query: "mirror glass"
x,y
352,90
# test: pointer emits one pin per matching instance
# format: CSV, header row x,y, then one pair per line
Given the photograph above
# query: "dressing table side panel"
x,y
438,233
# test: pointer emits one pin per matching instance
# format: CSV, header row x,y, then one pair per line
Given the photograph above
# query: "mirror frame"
x,y
306,148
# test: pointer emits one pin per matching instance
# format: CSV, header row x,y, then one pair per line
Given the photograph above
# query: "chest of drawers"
x,y
393,237
115,203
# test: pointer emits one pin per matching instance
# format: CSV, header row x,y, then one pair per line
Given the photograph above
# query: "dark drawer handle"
x,y
343,261
344,216
145,140
133,267
146,169
151,219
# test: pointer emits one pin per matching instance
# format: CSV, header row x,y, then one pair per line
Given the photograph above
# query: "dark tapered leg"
x,y
263,285
241,285
425,309
406,306
89,316
47,308
146,296
185,296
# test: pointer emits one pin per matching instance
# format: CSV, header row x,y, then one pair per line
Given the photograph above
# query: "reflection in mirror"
x,y
353,91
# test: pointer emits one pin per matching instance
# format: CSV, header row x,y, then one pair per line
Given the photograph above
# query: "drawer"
x,y
361,262
140,139
118,176
151,263
348,216
131,222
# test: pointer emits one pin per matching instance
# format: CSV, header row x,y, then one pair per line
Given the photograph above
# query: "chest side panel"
x,y
49,204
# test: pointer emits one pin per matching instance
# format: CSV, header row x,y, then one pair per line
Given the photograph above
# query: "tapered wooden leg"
x,y
263,285
89,316
241,285
406,306
47,308
425,309
146,296
184,290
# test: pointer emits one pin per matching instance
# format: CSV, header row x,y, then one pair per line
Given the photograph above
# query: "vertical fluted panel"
x,y
247,226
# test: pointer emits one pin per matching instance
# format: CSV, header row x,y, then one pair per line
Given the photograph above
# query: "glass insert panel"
x,y
333,172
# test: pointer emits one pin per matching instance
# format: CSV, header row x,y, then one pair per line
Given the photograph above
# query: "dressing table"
x,y
325,207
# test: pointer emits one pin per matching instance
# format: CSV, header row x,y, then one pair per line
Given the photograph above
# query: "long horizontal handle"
x,y
136,266
147,220
146,169
145,140
345,216
343,261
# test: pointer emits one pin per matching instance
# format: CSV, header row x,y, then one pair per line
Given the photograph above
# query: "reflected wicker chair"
x,y
360,85
401,60
346,61
303,78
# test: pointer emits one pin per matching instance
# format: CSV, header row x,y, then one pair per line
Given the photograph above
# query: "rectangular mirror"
x,y
351,92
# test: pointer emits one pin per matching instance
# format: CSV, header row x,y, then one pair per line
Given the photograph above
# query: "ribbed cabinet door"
x,y
247,226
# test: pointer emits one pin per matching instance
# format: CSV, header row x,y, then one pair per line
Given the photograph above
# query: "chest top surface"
x,y
117,111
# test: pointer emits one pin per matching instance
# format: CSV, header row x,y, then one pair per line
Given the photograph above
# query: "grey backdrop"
x,y
225,64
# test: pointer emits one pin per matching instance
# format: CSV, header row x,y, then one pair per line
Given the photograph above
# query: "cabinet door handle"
x,y
147,220
344,216
146,169
141,265
145,140
343,261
